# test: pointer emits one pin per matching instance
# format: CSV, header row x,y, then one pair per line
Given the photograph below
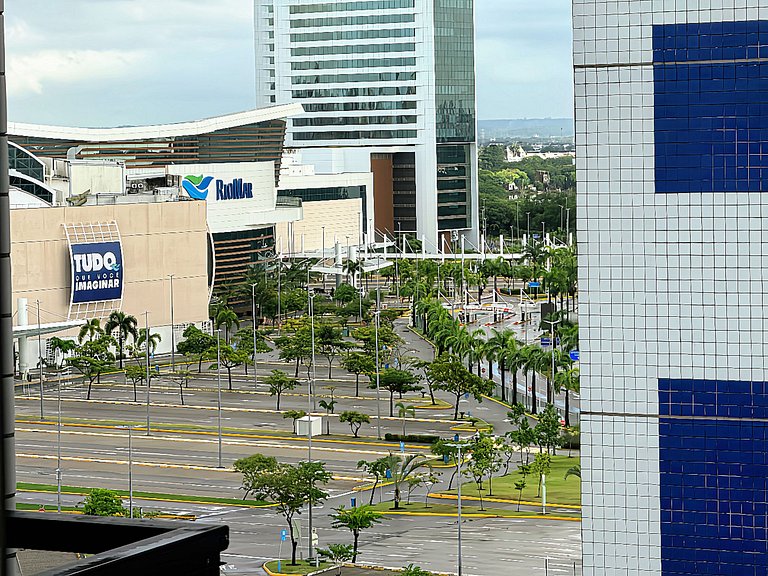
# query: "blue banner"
x,y
97,271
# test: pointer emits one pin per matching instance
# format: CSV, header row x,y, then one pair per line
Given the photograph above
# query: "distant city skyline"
x,y
113,62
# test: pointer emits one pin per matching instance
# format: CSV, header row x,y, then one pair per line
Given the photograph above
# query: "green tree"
x,y
229,358
60,349
449,453
251,467
519,486
548,430
523,436
278,383
294,415
101,502
449,374
137,375
290,488
404,412
396,381
574,471
93,358
337,554
358,363
91,329
329,343
400,468
355,520
541,466
355,420
227,318
296,347
378,469
125,324
154,340
413,570
196,343
345,293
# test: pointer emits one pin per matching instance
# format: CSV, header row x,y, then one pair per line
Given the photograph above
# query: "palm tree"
x,y
228,318
352,267
91,329
154,340
567,381
403,412
531,362
513,360
496,346
125,324
400,468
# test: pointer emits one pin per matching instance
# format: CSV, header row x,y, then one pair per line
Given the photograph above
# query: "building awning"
x,y
33,329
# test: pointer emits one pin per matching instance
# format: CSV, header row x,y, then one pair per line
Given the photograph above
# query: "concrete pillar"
x,y
501,245
339,262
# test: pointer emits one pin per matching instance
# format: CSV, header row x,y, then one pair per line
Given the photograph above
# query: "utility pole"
x,y
146,344
40,359
173,335
218,380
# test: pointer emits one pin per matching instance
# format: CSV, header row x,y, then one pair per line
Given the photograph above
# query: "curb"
x,y
504,501
482,516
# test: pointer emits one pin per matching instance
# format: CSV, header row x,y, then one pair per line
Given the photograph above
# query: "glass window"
x,y
354,35
353,92
356,135
353,106
352,49
356,63
350,6
345,78
353,20
354,120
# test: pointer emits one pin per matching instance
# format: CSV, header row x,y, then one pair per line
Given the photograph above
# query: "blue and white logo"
x,y
97,271
197,188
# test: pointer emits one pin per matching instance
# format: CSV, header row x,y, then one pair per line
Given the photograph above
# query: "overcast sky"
x,y
113,62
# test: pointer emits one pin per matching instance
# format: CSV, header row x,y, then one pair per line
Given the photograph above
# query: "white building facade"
x,y
671,133
388,87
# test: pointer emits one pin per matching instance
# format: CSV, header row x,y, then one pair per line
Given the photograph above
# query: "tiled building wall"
x,y
672,132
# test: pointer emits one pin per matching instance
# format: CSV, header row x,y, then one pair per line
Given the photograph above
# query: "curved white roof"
x,y
155,131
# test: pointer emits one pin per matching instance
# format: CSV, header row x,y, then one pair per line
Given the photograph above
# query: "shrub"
x,y
416,438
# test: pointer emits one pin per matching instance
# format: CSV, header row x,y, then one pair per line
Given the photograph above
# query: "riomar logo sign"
x,y
197,188
97,271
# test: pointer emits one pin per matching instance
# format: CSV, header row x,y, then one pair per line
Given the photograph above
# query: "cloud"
x,y
33,72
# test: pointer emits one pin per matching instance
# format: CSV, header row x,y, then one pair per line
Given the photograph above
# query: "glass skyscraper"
x,y
672,167
388,87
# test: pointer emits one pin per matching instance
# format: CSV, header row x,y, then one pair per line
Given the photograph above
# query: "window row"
x,y
356,135
354,35
351,6
354,120
353,92
353,20
352,106
352,49
356,63
344,78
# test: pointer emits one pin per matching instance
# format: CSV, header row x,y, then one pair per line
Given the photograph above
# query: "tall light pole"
x,y
58,446
311,306
253,325
529,225
378,390
458,445
173,335
218,380
552,324
279,294
146,344
322,258
40,359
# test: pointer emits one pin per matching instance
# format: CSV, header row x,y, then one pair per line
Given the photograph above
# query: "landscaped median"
x,y
562,492
301,567
138,495
29,507
451,511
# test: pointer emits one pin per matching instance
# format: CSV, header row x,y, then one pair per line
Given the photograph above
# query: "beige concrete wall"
x,y
341,218
158,239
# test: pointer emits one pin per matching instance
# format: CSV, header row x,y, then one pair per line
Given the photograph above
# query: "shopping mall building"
x,y
143,219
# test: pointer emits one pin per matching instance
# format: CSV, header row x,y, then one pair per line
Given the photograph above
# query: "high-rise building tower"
x,y
388,87
672,168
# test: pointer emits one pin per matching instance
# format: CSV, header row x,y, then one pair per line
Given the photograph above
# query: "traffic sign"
x,y
534,284
574,355
546,341
283,535
402,446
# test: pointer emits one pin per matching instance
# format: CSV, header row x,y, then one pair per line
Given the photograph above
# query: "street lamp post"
x,y
40,359
173,335
58,446
552,324
458,445
322,258
310,406
218,380
279,294
146,344
253,326
378,390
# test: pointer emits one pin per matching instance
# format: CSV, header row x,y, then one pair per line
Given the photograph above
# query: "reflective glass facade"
x,y
355,63
21,161
354,35
350,6
352,49
353,20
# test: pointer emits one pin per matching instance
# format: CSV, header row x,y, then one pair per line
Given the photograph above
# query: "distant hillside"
x,y
544,128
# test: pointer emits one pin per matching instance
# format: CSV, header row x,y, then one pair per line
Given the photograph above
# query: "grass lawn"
x,y
559,490
452,509
81,490
302,567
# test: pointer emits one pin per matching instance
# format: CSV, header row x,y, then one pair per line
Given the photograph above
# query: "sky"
x,y
129,62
